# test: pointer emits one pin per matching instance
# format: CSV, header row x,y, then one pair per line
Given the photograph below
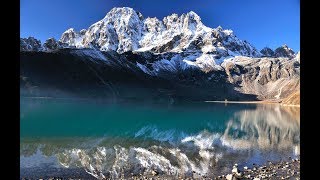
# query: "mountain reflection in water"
x,y
206,139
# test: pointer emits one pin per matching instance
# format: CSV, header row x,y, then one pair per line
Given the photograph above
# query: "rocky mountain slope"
x,y
30,44
292,99
179,54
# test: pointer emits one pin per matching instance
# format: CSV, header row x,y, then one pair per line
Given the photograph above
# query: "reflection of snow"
x,y
113,161
203,140
173,152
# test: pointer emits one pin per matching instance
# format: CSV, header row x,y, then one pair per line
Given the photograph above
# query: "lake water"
x,y
85,138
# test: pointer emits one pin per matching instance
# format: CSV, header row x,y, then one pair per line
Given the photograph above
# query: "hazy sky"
x,y
263,23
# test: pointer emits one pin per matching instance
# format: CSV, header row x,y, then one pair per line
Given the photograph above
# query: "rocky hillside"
x,y
292,99
268,78
179,54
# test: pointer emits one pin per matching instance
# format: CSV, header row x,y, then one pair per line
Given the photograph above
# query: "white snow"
x,y
143,49
204,61
203,140
122,30
208,48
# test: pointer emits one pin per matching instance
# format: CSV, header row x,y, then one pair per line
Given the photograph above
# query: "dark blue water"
x,y
107,139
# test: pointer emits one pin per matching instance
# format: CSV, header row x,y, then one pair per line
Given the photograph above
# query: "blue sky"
x,y
261,22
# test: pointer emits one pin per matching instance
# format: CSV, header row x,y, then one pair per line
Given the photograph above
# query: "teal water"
x,y
105,139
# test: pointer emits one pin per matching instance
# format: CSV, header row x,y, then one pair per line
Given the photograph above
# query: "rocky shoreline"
x,y
281,170
289,169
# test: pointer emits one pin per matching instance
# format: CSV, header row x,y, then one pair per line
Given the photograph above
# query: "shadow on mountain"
x,y
109,75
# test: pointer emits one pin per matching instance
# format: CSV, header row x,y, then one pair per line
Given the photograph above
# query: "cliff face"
x,y
268,78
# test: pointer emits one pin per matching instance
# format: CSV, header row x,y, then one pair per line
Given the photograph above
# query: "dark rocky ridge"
x,y
92,73
267,52
68,71
52,44
284,51
30,44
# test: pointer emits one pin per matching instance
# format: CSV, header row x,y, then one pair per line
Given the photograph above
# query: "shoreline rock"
x,y
280,170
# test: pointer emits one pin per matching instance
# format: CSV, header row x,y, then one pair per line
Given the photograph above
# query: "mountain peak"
x,y
70,30
267,52
191,20
284,51
70,37
194,16
30,44
52,44
121,9
122,12
193,13
219,28
124,29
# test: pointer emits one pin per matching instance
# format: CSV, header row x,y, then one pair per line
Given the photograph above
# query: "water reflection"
x,y
208,144
267,127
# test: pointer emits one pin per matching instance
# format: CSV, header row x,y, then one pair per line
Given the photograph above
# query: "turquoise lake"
x,y
91,139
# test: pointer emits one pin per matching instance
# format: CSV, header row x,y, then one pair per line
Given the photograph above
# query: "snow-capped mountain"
x,y
124,29
284,51
52,44
179,54
30,44
267,52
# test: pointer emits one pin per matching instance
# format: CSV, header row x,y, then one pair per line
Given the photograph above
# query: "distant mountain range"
x,y
179,54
